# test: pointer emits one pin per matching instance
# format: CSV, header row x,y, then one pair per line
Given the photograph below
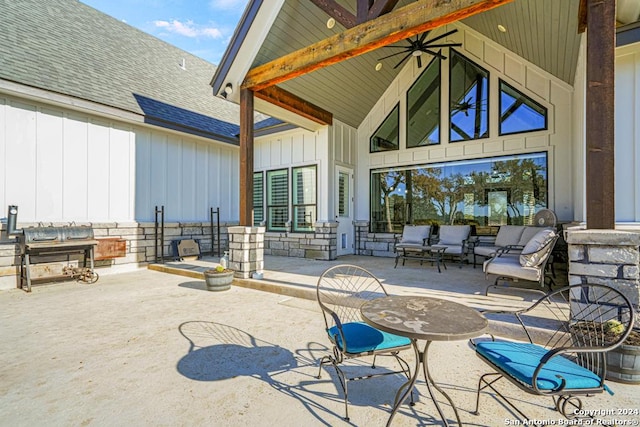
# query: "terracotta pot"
x,y
216,281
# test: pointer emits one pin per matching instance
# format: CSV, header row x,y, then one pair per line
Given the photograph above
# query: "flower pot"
x,y
218,281
623,364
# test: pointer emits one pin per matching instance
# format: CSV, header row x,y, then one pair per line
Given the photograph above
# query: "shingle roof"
x,y
67,47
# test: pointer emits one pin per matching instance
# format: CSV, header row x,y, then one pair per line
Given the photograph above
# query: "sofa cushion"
x,y
509,235
453,234
528,233
415,233
510,266
537,249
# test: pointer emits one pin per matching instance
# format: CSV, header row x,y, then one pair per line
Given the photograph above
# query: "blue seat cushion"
x,y
362,338
521,359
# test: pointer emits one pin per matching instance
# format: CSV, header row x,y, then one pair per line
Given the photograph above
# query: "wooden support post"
x,y
600,172
246,157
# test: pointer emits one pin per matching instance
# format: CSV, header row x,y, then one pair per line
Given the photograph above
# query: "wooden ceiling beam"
x,y
397,25
295,104
337,12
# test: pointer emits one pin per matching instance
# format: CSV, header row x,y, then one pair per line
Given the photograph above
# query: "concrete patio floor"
x,y
149,348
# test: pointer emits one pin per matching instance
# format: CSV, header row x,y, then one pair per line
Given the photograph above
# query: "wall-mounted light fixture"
x,y
228,90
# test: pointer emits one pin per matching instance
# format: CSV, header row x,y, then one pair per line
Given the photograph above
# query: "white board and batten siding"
x,y
544,88
60,165
627,133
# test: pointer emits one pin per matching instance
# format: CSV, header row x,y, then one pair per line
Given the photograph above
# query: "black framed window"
x,y
258,197
469,99
423,108
480,192
277,199
304,188
518,112
387,136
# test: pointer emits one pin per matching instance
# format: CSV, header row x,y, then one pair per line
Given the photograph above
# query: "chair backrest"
x,y
342,290
415,234
538,249
581,322
528,233
509,235
453,234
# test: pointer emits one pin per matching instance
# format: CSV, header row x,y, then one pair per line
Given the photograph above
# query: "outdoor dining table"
x,y
428,319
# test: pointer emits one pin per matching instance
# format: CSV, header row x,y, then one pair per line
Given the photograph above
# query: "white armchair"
x,y
454,239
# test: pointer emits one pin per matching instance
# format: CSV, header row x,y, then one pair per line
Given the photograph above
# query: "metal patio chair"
x,y
341,291
568,333
528,265
455,239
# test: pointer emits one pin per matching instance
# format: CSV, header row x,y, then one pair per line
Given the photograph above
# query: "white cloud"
x,y
228,5
188,29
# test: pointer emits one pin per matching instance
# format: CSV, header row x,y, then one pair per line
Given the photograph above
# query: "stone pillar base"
x,y
609,257
246,250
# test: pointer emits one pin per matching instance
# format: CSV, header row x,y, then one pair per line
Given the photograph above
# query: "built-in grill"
x,y
50,240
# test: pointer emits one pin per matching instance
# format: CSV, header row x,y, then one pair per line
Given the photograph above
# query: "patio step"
x,y
196,272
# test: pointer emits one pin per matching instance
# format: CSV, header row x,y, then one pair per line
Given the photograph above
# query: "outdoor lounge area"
x,y
151,348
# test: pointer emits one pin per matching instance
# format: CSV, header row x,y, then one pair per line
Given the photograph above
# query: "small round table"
x,y
423,318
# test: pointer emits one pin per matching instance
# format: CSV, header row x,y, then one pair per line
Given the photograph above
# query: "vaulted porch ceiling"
x,y
544,32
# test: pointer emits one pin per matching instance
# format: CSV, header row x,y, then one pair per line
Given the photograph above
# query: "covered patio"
x,y
160,350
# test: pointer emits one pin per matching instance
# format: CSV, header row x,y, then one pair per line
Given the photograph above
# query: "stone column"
x,y
610,257
246,250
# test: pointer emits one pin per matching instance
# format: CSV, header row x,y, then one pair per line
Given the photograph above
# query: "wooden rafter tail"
x,y
337,12
295,104
582,17
397,25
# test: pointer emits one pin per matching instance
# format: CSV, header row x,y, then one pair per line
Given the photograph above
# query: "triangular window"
x,y
469,98
386,137
519,113
423,108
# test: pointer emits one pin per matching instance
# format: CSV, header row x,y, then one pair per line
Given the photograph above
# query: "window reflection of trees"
x,y
459,194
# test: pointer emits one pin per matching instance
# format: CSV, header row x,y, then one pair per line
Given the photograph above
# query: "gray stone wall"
x,y
140,246
320,244
610,257
373,244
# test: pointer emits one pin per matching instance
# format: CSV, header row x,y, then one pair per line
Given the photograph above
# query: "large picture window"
x,y
277,200
469,100
423,108
482,192
304,198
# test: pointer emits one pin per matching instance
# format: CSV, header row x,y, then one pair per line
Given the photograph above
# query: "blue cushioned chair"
x,y
568,333
341,291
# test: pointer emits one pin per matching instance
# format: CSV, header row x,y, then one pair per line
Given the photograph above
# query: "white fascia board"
x,y
252,43
273,110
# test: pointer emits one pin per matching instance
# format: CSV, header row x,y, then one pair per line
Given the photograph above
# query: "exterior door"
x,y
344,210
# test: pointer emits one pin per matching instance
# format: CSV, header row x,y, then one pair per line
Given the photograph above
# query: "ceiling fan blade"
x,y
441,36
434,53
419,61
444,45
409,55
424,36
394,54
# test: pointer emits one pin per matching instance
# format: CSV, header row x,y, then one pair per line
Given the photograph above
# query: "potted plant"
x,y
218,279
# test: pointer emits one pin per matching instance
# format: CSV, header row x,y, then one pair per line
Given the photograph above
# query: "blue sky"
x,y
201,27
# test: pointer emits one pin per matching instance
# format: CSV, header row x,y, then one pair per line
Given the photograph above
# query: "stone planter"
x,y
218,281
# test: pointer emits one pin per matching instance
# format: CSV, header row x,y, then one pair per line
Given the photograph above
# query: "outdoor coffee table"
x,y
423,318
422,253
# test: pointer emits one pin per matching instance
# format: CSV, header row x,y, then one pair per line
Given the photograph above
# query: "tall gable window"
x,y
277,200
258,198
469,100
304,198
519,113
386,137
423,108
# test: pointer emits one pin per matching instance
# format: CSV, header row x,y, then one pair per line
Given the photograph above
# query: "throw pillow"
x,y
537,249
